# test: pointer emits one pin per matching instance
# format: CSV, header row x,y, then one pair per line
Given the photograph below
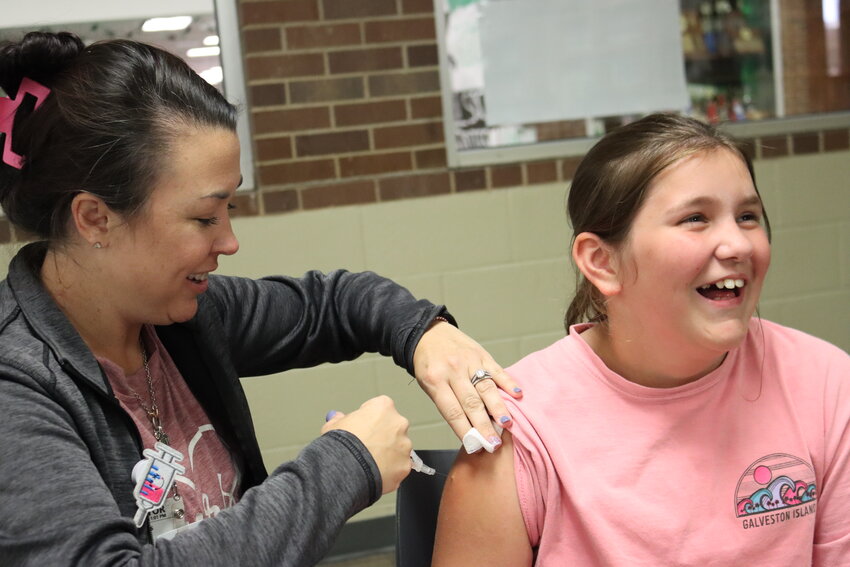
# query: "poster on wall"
x,y
584,58
514,65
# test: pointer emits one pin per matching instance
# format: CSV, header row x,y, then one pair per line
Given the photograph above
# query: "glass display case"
x,y
727,48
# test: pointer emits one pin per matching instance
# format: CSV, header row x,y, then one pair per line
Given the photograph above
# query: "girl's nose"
x,y
735,243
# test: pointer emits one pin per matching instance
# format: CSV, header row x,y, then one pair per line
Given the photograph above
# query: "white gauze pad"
x,y
473,440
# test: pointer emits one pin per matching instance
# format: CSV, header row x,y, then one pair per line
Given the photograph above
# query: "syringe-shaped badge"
x,y
154,477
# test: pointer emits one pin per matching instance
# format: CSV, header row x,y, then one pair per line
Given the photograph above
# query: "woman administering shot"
x,y
126,436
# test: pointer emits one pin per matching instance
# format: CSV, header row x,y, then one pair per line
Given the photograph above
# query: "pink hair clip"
x,y
8,108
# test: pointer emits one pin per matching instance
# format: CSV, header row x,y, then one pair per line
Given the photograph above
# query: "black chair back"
x,y
417,504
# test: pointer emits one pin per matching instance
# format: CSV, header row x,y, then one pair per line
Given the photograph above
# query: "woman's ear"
x,y
596,260
91,218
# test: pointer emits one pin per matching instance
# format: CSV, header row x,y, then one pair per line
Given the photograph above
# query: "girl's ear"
x,y
597,262
91,217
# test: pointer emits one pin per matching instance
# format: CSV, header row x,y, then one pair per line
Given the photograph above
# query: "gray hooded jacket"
x,y
67,447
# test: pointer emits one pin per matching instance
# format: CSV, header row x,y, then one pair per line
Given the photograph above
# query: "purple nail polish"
x,y
494,440
504,419
517,389
330,414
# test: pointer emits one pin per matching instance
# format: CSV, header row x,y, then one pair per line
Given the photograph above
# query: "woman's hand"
x,y
384,433
444,362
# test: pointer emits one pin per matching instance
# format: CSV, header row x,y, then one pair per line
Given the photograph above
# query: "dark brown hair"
x,y
107,127
611,182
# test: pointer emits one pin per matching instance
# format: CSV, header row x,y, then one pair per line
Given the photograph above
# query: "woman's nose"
x,y
227,242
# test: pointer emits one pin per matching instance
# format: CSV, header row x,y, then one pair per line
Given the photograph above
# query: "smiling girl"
x,y
670,427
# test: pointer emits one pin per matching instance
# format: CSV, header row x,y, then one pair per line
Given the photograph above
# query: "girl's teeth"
x,y
727,284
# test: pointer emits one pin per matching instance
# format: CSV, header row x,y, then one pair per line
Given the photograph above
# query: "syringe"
x,y
419,466
154,477
416,462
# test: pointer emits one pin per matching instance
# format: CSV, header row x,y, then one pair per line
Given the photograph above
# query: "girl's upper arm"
x,y
480,522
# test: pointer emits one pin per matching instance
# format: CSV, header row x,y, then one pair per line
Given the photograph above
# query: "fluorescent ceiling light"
x,y
213,75
203,51
167,24
211,40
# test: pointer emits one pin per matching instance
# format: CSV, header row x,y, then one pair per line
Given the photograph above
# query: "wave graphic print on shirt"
x,y
202,446
775,482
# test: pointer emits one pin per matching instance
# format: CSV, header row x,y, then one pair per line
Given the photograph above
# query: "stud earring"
x,y
97,245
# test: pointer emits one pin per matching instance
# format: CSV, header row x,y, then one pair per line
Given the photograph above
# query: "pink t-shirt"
x,y
210,483
749,465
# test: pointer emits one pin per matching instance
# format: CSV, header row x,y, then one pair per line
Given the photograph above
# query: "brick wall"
x,y
795,60
345,102
345,109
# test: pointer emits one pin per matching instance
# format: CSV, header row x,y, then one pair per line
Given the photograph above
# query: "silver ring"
x,y
480,375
